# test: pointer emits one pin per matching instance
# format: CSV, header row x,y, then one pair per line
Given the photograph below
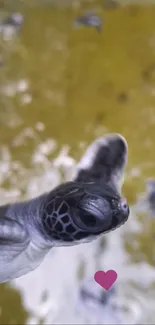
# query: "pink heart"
x,y
105,279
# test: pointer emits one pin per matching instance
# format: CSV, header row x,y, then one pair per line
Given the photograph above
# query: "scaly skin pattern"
x,y
73,213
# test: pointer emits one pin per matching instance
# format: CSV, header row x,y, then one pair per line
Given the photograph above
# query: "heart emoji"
x,y
105,279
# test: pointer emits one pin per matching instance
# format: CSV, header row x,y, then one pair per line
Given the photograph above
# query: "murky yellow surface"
x,y
62,87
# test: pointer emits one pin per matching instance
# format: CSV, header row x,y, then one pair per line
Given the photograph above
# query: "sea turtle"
x,y
90,20
74,212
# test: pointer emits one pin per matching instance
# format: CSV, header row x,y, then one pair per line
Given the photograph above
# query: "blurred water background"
x,y
60,88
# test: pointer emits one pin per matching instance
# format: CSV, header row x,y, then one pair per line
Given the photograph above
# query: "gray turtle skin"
x,y
73,213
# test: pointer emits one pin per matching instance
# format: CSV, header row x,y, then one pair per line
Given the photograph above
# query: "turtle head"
x,y
100,210
91,204
81,211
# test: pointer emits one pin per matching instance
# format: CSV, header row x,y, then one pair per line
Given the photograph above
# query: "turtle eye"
x,y
87,218
93,215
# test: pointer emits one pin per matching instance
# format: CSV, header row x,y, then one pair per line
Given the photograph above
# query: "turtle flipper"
x,y
14,238
104,161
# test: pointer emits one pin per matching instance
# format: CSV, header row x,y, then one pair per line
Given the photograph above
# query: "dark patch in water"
x,y
111,4
147,74
122,97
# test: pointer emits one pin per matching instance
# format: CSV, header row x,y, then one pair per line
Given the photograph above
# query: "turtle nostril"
x,y
124,207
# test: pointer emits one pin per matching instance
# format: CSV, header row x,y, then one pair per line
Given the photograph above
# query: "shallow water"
x,y
61,88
